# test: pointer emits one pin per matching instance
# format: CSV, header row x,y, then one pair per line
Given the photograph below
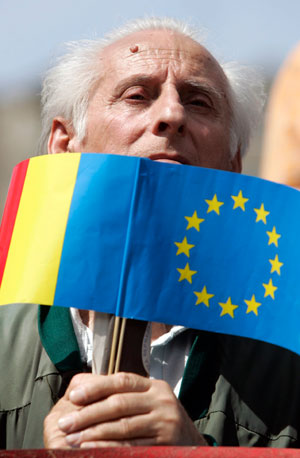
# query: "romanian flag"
x,y
203,248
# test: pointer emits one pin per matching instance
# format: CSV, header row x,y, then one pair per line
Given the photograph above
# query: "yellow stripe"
x,y
34,255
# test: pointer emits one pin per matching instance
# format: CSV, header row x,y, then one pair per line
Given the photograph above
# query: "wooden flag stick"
x,y
114,346
120,345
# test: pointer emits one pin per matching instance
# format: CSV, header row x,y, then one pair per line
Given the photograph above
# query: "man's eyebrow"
x,y
206,88
133,80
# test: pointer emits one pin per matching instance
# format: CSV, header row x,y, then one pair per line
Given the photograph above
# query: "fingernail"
x,y
65,423
77,395
73,439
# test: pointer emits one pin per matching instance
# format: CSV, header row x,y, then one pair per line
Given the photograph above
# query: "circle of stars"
x,y
186,273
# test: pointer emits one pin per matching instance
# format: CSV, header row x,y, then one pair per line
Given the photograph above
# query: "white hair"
x,y
68,86
246,96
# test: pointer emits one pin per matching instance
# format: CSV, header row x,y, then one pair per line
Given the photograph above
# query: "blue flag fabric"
x,y
206,249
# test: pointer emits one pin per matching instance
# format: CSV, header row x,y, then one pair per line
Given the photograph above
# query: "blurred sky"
x,y
259,32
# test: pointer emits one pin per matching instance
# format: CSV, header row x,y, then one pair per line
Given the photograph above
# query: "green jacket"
x,y
240,392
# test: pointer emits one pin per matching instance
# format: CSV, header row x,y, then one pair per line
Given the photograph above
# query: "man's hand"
x,y
120,409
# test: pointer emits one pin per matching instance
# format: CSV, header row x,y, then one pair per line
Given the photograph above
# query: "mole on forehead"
x,y
134,48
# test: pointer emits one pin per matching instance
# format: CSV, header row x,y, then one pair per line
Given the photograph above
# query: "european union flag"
x,y
203,248
217,251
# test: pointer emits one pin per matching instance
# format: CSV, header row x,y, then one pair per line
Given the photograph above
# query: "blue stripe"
x,y
94,242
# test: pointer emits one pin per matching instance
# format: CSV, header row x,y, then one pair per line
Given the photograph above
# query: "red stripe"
x,y
10,211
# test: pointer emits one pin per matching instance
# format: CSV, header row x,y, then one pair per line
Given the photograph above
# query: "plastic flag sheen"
x,y
177,244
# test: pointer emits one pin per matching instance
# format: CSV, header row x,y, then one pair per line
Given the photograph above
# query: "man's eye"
x,y
136,93
136,97
200,103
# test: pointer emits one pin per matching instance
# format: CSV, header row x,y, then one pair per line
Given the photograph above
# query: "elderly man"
x,y
153,93
149,90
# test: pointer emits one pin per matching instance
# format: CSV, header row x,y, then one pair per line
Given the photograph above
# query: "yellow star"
x,y
269,289
252,305
228,308
239,201
184,247
203,296
273,237
261,214
214,205
194,221
186,273
276,264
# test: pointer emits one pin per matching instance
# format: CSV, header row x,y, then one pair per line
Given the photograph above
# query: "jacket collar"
x,y
58,338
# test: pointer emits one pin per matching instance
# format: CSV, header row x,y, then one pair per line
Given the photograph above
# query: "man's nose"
x,y
169,116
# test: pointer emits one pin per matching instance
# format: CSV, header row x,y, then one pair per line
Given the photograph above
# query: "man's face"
x,y
164,97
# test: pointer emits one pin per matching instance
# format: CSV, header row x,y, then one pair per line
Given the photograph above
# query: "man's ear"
x,y
236,162
61,136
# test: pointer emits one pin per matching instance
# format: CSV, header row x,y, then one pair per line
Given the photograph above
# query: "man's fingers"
x,y
87,388
112,408
53,436
124,429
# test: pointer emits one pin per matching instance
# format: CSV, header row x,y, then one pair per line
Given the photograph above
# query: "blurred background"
x,y
260,33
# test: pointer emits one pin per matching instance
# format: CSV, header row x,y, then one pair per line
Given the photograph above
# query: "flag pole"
x,y
120,345
111,364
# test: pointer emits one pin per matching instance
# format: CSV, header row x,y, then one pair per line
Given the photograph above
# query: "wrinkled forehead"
x,y
167,47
